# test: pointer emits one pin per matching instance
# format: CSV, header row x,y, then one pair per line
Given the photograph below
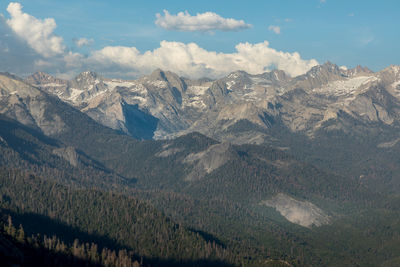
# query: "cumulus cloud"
x,y
193,61
37,33
16,55
208,21
28,44
275,29
83,42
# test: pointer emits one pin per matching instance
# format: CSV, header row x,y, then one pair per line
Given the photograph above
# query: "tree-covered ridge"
x,y
27,149
124,221
18,249
221,207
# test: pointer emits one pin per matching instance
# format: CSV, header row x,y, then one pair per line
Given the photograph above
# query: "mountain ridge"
x,y
262,196
178,103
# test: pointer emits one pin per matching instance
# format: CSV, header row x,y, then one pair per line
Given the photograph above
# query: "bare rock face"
x,y
28,105
69,154
207,161
163,105
303,213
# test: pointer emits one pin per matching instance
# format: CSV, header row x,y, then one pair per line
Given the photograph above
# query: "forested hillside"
x,y
108,219
190,200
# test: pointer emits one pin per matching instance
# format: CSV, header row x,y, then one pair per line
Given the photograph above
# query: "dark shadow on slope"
x,y
39,224
37,148
9,126
13,253
43,225
208,237
140,125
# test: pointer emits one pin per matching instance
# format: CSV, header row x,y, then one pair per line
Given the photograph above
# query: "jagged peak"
x,y
392,68
171,78
87,75
238,73
364,69
42,77
278,75
326,68
329,66
358,70
40,74
11,76
13,84
159,74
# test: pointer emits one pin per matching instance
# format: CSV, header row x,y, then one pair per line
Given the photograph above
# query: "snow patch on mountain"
x,y
52,85
111,84
196,90
345,87
395,84
74,94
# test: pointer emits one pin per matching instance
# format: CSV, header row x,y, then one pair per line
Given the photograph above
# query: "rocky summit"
x,y
163,105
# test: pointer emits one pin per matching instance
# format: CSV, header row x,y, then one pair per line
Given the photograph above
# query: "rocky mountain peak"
x,y
358,70
11,76
12,85
327,68
275,75
238,74
158,75
87,76
319,75
390,76
172,79
43,78
175,105
394,69
237,80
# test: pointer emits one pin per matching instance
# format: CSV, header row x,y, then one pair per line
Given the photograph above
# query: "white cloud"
x,y
83,42
275,29
193,61
322,1
207,21
15,54
37,33
73,60
28,44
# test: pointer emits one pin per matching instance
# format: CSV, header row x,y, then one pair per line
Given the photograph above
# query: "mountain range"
x,y
352,111
264,166
163,105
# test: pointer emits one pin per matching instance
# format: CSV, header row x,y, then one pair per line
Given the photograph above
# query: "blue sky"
x,y
347,33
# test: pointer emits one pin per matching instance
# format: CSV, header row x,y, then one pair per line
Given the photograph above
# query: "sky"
x,y
128,39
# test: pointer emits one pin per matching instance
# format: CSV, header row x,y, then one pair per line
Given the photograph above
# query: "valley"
x,y
246,170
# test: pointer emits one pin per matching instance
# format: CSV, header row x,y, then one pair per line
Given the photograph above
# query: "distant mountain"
x,y
44,115
361,109
32,152
269,166
147,108
162,104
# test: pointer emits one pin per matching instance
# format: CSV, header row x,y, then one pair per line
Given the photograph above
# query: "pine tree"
x,y
10,229
21,234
